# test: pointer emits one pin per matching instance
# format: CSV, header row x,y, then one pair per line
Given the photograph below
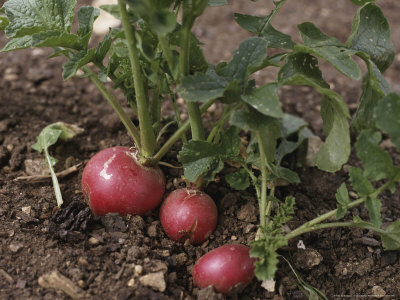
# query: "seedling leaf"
x,y
86,17
18,43
387,116
370,33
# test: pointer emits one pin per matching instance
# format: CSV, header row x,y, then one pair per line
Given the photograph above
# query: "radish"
x,y
226,268
113,181
188,214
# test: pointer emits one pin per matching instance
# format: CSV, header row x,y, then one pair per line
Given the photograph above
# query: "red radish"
x,y
225,268
113,181
188,214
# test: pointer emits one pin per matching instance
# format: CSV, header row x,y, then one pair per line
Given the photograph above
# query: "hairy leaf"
x,y
18,43
76,61
277,39
265,100
86,17
342,198
30,17
370,33
387,116
253,24
3,22
55,38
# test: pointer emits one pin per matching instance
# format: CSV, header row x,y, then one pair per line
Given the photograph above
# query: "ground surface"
x,y
108,257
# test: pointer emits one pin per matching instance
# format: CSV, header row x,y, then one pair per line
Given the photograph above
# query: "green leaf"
x,y
203,158
342,198
336,149
47,137
250,55
3,22
76,61
359,182
163,21
361,2
250,23
301,69
370,33
374,88
202,87
291,124
30,17
377,162
55,38
265,100
387,116
286,174
198,158
277,39
239,180
373,205
104,46
86,17
328,48
217,2
18,43
113,10
313,37
391,237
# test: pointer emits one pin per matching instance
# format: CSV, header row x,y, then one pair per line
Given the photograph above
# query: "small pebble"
x,y
138,270
15,247
131,282
26,210
378,291
155,281
93,241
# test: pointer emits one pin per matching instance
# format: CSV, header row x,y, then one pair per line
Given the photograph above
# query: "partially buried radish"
x,y
225,268
113,181
188,214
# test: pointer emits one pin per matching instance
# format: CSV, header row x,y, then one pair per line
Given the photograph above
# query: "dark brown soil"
x,y
106,257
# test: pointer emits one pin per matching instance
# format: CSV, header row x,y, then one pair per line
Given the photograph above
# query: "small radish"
x,y
188,214
113,181
226,268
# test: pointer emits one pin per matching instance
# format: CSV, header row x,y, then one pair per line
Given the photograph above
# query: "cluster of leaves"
x,y
253,112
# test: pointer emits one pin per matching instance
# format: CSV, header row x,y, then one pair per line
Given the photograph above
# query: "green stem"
x,y
147,136
133,131
272,16
56,186
166,52
263,199
184,66
220,123
311,225
123,89
177,135
269,204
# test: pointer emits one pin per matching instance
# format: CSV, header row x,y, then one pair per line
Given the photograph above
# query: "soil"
x,y
116,257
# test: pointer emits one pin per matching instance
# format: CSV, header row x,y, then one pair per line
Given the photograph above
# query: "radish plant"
x,y
154,58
